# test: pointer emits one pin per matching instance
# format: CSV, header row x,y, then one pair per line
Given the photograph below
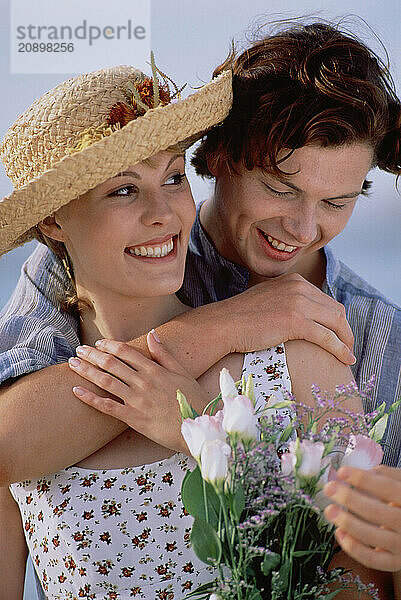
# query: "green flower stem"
x,y
221,498
205,500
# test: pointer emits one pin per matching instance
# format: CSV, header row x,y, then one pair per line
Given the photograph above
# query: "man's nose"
x,y
302,225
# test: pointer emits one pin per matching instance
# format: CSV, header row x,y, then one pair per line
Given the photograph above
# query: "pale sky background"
x,y
189,39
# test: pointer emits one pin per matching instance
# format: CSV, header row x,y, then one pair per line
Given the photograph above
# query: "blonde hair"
x,y
69,300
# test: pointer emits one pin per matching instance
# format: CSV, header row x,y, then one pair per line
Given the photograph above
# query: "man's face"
x,y
275,225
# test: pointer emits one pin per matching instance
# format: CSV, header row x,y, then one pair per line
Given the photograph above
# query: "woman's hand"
x,y
367,515
147,389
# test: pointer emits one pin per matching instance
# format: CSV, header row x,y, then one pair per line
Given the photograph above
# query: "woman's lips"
x,y
156,252
280,252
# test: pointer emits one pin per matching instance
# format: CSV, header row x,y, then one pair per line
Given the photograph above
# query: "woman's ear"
x,y
51,228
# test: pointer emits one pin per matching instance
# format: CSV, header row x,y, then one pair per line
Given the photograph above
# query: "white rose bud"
x,y
196,431
214,462
227,386
311,459
240,420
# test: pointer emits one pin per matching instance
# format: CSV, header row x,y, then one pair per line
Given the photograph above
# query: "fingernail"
x,y
344,473
78,391
99,343
74,362
330,488
332,511
153,332
352,358
81,350
340,535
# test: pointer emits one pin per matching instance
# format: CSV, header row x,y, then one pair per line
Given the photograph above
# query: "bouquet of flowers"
x,y
256,493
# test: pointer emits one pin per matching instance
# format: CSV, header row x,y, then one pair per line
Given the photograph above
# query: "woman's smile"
x,y
164,250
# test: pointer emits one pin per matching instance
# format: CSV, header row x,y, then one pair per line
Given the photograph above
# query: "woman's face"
x,y
275,225
129,235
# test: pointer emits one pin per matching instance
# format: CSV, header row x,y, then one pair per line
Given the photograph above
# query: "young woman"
x,y
111,199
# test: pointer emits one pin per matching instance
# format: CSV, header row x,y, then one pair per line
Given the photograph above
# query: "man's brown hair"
x,y
307,84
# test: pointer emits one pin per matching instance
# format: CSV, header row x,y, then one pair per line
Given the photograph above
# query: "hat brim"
x,y
158,129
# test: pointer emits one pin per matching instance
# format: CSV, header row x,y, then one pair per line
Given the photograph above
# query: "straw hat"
x,y
89,128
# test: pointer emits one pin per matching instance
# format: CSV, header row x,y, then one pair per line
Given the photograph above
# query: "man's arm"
x,y
43,427
14,552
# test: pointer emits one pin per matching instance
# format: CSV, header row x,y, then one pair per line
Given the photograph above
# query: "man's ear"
x,y
211,166
51,228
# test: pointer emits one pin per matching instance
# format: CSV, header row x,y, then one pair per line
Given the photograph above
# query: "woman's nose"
x,y
157,210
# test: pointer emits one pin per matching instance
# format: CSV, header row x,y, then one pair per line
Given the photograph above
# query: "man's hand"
x,y
367,515
290,308
148,390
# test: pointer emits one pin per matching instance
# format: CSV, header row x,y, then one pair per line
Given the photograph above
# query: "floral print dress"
x,y
124,533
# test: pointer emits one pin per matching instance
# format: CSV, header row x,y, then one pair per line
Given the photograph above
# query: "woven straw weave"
x,y
35,149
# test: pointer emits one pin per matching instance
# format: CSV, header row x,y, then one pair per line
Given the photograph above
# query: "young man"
x,y
312,114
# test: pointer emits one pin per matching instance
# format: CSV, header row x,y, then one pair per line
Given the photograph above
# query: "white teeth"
x,y
280,245
153,251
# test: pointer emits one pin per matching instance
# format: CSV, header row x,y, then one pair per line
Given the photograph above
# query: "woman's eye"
x,y
127,190
176,179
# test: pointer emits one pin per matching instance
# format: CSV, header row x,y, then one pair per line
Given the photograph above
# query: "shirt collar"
x,y
333,269
205,247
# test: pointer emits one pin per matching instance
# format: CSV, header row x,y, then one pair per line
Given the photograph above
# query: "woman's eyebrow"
x,y
137,176
131,173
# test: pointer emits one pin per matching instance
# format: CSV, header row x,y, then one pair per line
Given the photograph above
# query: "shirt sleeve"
x,y
34,331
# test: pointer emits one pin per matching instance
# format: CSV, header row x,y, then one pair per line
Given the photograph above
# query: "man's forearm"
x,y
44,427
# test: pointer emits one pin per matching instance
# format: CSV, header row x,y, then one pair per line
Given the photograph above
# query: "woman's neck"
x,y
125,319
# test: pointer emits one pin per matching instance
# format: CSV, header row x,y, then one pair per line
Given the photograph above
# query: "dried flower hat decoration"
x,y
140,97
91,127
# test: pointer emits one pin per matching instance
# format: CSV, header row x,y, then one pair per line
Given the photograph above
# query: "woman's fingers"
x,y
126,353
105,405
103,380
162,356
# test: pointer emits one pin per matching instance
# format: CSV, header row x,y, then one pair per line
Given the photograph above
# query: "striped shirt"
x,y
35,333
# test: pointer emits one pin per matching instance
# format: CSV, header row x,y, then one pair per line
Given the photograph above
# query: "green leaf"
x,y
193,498
255,595
238,502
286,433
377,431
394,407
270,563
284,573
282,404
186,410
205,542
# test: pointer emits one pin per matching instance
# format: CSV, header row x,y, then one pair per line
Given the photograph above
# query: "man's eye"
x,y
127,190
334,206
176,179
276,192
